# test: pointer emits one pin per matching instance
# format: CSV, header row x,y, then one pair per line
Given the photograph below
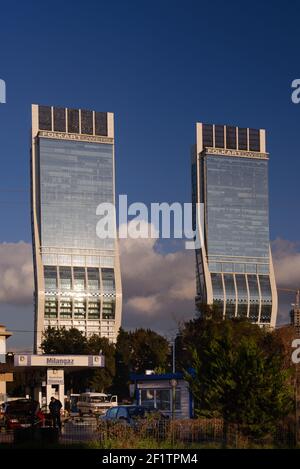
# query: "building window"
x,y
229,287
227,267
147,397
250,268
59,115
65,277
217,286
87,122
239,268
243,144
50,274
108,311
230,310
265,288
215,266
94,309
65,308
265,315
254,140
262,268
79,308
108,280
242,290
101,123
45,120
50,307
79,278
254,310
219,136
242,310
73,121
93,279
177,399
207,135
231,137
161,399
253,288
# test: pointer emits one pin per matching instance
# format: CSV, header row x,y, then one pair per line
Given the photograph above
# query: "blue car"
x,y
134,416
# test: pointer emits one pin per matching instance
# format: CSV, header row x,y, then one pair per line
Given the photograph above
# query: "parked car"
x,y
137,417
95,403
23,413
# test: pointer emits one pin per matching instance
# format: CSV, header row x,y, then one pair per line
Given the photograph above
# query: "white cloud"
x,y
158,289
286,263
16,273
286,257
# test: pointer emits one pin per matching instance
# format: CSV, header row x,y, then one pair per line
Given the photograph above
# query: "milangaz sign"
x,y
60,361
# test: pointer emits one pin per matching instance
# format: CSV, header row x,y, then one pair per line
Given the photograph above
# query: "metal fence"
x,y
89,431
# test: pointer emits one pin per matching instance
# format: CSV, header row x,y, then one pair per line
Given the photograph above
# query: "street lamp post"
x,y
173,383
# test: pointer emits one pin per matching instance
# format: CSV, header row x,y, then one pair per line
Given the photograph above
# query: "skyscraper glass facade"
x,y
74,178
234,266
77,274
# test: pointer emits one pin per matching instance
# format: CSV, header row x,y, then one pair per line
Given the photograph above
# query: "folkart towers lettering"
x,y
78,137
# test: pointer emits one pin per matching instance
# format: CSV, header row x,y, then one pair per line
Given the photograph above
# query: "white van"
x,y
95,402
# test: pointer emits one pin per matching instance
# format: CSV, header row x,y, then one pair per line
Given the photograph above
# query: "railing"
x,y
163,433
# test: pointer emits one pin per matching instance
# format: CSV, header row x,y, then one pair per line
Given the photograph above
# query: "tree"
x,y
136,352
60,341
73,341
195,333
102,378
149,350
239,375
122,357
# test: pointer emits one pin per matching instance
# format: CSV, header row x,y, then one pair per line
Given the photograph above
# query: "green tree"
x,y
239,375
72,341
149,350
196,333
102,379
60,341
136,352
122,357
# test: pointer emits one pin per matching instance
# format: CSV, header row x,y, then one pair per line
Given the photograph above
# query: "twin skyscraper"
x,y
77,274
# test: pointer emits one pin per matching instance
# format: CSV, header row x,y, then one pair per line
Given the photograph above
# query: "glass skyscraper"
x,y
77,274
234,269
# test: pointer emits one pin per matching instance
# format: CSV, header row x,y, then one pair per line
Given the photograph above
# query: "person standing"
x,y
54,407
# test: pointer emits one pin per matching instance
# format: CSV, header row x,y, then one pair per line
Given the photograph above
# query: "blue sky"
x,y
160,66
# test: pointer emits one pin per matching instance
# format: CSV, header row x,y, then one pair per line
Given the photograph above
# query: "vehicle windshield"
x,y
97,399
140,412
22,407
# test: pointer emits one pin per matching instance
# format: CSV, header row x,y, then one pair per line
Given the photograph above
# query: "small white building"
x,y
168,393
4,376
